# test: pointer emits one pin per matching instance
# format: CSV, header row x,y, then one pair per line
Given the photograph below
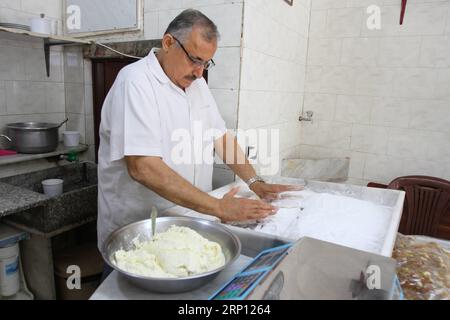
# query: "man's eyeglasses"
x,y
198,62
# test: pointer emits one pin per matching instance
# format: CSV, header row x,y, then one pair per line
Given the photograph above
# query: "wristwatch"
x,y
253,180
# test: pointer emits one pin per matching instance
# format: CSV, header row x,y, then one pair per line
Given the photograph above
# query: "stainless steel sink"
x,y
78,202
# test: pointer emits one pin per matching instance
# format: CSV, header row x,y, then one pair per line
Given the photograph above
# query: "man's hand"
x,y
238,209
269,191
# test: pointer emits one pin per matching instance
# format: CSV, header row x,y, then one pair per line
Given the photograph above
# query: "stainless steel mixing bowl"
x,y
142,230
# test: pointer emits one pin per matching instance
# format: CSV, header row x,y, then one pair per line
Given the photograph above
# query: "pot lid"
x,y
32,125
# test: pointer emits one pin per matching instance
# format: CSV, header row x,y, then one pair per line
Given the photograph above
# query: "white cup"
x,y
40,25
53,187
71,138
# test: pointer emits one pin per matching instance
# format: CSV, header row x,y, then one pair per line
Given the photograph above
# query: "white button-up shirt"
x,y
145,114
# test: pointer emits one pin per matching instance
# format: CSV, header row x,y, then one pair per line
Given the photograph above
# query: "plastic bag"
x,y
423,267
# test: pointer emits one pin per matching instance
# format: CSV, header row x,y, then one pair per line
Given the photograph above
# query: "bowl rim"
x,y
196,276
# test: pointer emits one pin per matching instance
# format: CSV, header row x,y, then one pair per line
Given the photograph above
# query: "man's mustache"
x,y
192,78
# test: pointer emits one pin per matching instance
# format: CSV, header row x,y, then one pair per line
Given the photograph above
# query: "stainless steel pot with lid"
x,y
34,137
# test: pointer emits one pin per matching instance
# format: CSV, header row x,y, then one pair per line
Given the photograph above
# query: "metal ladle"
x,y
153,216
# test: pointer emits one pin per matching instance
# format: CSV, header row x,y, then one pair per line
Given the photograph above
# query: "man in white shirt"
x,y
152,99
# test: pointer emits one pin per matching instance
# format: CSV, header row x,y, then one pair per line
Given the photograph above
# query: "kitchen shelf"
x,y
48,41
21,157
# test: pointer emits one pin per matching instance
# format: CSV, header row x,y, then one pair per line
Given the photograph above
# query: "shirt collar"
x,y
155,67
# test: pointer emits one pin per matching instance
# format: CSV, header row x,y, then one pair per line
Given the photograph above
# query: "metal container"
x,y
142,230
34,137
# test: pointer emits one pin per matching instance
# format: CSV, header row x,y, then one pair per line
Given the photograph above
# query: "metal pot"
x,y
34,137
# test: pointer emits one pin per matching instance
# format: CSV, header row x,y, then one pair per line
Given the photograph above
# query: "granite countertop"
x,y
15,199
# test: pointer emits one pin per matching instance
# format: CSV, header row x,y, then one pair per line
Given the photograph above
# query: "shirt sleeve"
x,y
136,127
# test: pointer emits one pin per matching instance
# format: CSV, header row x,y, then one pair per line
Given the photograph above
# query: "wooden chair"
x,y
427,205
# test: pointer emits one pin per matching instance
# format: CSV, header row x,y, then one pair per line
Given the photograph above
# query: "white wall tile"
x,y
157,5
11,63
263,72
443,84
225,75
327,4
51,8
360,51
435,51
265,34
391,112
35,65
357,163
227,103
407,143
369,139
15,16
354,109
374,81
73,65
430,115
318,25
324,51
399,51
10,4
438,146
55,97
24,97
382,169
339,80
294,17
313,77
415,83
327,134
364,3
75,98
323,105
151,30
420,19
259,108
420,167
317,152
345,22
2,97
400,75
424,19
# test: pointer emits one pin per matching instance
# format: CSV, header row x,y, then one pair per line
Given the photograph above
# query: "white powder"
x,y
338,219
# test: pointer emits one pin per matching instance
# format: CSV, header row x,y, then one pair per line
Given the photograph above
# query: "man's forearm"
x,y
160,178
232,155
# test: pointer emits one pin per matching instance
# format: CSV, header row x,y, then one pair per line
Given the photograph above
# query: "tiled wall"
x,y
273,68
380,97
27,94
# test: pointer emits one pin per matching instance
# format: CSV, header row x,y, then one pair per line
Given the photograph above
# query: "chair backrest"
x,y
427,201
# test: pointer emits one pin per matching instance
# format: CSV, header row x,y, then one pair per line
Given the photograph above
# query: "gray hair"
x,y
181,27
